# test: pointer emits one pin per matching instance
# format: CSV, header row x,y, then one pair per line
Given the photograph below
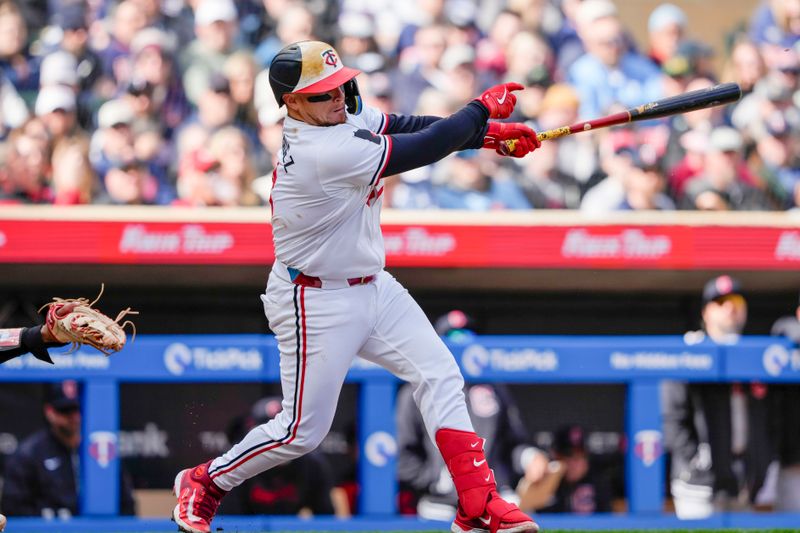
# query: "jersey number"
x,y
287,160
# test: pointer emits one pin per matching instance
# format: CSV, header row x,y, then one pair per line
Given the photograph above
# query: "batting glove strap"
x,y
499,99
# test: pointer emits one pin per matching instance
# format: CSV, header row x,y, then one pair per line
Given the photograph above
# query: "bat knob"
x,y
507,147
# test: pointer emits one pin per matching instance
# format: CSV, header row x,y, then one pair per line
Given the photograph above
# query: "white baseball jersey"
x,y
326,196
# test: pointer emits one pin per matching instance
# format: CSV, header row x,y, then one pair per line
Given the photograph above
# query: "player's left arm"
x,y
18,341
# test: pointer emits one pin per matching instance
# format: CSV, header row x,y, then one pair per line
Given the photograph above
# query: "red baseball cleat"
x,y
499,517
198,499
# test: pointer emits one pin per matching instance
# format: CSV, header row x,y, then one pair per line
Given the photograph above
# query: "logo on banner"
x,y
775,359
477,358
188,239
380,447
648,446
179,357
103,447
628,244
418,242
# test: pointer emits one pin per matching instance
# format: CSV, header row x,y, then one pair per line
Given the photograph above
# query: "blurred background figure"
x,y
216,27
301,487
41,479
571,481
426,486
726,183
718,434
786,417
610,75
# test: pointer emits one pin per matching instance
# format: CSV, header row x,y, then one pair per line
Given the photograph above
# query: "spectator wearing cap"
x,y
17,64
786,412
666,29
126,21
155,92
60,68
610,74
717,433
72,21
41,477
295,23
426,488
216,25
112,142
775,26
573,481
303,486
644,183
356,44
57,107
726,183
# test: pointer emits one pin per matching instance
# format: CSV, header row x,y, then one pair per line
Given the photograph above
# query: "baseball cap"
x,y
720,286
355,24
63,396
153,38
114,112
454,321
592,10
725,139
664,15
71,16
53,98
210,11
569,439
58,68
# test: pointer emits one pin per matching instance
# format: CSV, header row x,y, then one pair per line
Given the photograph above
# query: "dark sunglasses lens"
x,y
320,98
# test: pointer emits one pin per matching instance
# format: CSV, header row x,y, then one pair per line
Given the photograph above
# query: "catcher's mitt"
x,y
75,321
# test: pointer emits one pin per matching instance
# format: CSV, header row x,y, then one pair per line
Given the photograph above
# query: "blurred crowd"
x,y
166,102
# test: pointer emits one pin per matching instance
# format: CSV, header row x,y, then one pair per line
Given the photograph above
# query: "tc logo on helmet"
x,y
330,57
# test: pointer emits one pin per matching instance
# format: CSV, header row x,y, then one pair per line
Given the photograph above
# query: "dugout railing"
x,y
639,363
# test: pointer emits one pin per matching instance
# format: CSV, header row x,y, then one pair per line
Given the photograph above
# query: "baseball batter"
x,y
329,299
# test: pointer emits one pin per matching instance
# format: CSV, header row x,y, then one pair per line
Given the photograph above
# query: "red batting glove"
x,y
511,138
499,100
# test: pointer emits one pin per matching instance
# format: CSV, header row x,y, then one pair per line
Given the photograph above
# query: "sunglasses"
x,y
316,98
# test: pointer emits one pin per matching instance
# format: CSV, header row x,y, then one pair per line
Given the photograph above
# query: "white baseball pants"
x,y
319,331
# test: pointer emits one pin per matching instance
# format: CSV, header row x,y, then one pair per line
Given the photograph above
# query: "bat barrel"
x,y
724,93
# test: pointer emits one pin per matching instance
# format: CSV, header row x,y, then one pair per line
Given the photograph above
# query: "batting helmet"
x,y
310,67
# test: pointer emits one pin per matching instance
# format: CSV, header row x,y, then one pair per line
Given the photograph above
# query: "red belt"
x,y
313,281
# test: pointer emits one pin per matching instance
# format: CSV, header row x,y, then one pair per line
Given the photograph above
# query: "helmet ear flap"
x,y
352,97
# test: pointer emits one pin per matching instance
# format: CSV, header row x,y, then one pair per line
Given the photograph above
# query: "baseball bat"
x,y
717,95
